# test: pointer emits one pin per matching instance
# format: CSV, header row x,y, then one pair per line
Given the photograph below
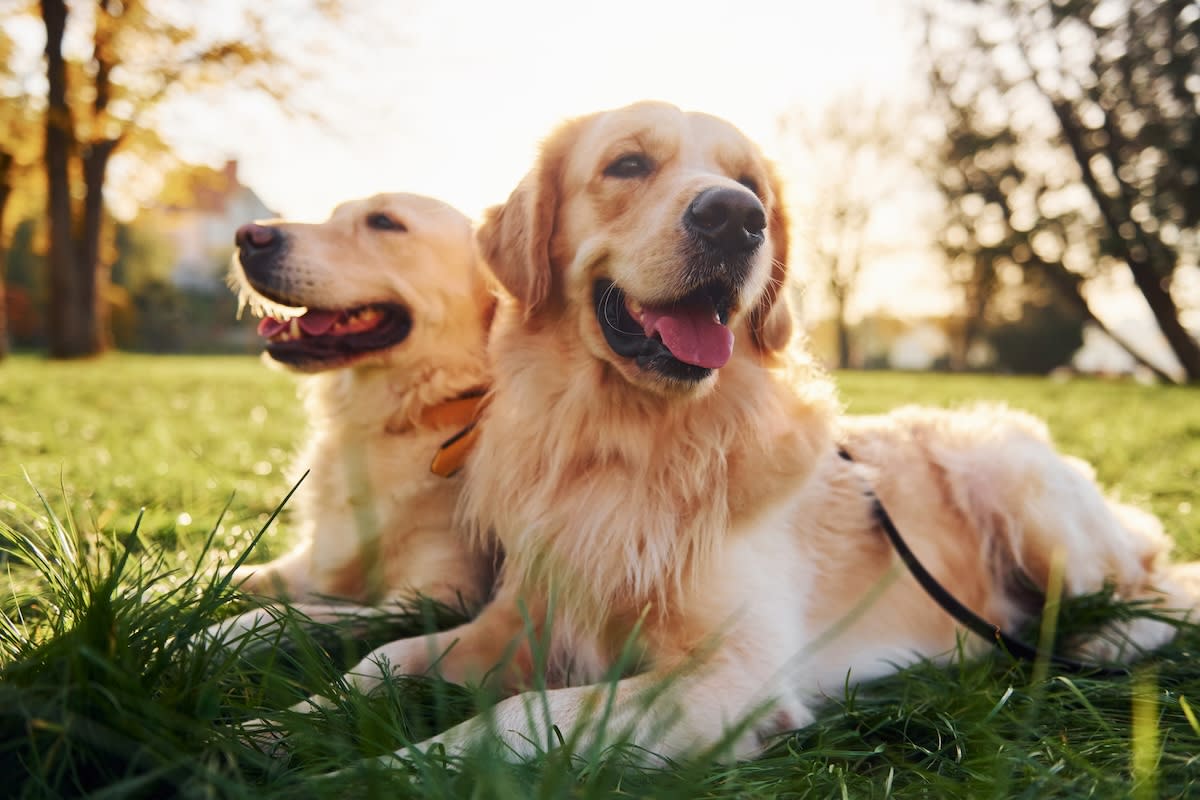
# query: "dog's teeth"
x,y
635,307
294,329
368,314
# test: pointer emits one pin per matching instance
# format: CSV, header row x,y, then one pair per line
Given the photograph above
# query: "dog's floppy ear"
x,y
515,237
514,241
771,319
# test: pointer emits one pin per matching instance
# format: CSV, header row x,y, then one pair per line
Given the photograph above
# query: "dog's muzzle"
x,y
729,220
724,229
261,250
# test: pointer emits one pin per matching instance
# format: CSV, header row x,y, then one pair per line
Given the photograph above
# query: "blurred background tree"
x,y
19,153
1033,181
1070,151
858,156
139,55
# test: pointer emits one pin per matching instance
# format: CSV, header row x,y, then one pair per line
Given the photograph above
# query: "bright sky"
x,y
454,101
451,98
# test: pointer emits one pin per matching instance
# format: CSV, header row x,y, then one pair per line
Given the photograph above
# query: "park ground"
x,y
126,481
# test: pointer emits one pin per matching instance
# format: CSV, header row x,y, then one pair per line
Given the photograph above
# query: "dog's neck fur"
x,y
649,477
364,400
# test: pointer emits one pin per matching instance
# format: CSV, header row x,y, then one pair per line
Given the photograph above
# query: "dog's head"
x,y
661,232
382,277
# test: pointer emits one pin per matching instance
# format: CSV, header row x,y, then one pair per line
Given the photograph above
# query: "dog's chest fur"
x,y
622,502
380,522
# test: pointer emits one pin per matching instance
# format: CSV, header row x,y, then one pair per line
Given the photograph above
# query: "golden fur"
x,y
711,522
376,525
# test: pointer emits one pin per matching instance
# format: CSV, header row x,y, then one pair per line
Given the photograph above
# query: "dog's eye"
x,y
749,183
384,222
631,165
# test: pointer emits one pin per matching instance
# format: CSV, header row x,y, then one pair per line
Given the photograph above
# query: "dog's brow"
x,y
645,140
736,163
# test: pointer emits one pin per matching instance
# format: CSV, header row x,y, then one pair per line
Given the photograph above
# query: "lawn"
x,y
104,690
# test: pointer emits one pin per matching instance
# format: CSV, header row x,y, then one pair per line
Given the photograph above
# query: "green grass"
x,y
105,690
177,436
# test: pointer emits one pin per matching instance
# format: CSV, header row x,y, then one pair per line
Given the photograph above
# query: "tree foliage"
x,y
100,99
1072,149
1043,336
18,157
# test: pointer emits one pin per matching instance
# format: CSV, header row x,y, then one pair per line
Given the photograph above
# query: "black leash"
x,y
955,608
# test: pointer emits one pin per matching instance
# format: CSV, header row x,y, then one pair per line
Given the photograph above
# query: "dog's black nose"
x,y
260,252
253,238
731,219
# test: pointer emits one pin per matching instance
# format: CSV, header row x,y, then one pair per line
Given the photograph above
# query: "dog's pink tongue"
x,y
315,323
269,326
691,333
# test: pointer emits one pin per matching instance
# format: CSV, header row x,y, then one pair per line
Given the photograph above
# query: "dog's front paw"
x,y
259,624
441,746
248,578
1125,642
267,737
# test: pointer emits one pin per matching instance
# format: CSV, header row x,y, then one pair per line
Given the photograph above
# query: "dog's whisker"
x,y
614,325
773,279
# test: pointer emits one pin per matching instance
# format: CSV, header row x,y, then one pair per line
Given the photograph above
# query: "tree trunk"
x,y
95,157
93,277
1066,283
971,327
72,312
977,293
1152,281
1166,313
6,169
957,330
843,334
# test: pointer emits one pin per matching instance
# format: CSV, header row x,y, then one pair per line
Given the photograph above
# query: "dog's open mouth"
x,y
685,340
324,338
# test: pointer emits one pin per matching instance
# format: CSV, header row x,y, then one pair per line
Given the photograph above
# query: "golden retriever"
x,y
385,307
660,463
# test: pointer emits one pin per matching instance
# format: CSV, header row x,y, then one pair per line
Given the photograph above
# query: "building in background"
x,y
169,290
200,211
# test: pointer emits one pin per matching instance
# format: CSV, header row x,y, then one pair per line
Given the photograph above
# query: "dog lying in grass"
x,y
384,307
687,518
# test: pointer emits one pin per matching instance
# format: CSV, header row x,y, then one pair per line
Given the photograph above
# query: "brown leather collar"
x,y
463,412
